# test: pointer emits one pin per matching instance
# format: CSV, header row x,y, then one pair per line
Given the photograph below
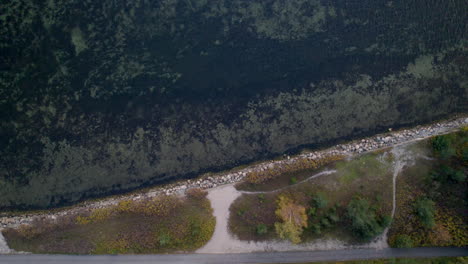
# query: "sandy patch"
x,y
4,249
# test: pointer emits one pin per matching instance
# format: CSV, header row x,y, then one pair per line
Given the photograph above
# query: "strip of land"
x,y
208,181
321,182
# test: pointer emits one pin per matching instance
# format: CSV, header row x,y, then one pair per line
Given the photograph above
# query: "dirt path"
x,y
4,249
326,172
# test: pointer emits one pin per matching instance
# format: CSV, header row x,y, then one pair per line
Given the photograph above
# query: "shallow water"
x,y
100,97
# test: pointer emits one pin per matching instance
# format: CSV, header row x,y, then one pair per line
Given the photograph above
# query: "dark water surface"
x,y
99,97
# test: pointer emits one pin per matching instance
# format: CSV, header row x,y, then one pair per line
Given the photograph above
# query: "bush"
x,y
293,180
365,223
262,229
425,210
312,211
320,201
325,223
316,229
458,176
261,198
333,217
403,241
442,145
164,239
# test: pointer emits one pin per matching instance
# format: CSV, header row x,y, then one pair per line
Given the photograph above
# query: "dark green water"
x,y
100,97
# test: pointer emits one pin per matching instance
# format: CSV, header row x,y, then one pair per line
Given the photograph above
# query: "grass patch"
x,y
363,166
325,199
160,225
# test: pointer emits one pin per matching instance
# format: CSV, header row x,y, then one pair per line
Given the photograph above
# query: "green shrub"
x,y
325,223
293,180
458,176
447,174
403,241
261,198
442,145
364,220
333,217
425,210
262,229
312,211
164,239
316,229
320,201
241,212
464,155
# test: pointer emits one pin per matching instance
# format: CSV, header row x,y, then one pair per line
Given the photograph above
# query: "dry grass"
x,y
451,228
160,225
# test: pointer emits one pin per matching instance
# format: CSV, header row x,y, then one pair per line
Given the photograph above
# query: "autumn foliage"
x,y
293,219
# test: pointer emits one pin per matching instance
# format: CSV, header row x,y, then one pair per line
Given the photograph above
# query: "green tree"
x,y
425,210
364,220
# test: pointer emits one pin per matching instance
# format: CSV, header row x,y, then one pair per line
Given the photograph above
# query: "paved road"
x,y
264,257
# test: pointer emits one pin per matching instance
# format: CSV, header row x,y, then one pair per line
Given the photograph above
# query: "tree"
x,y
288,230
425,210
365,223
293,217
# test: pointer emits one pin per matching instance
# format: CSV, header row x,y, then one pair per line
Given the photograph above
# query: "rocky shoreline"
x,y
378,141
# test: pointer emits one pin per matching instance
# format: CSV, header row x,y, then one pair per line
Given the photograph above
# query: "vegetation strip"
x,y
158,225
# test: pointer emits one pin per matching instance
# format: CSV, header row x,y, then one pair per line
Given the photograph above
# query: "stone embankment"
x,y
384,140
